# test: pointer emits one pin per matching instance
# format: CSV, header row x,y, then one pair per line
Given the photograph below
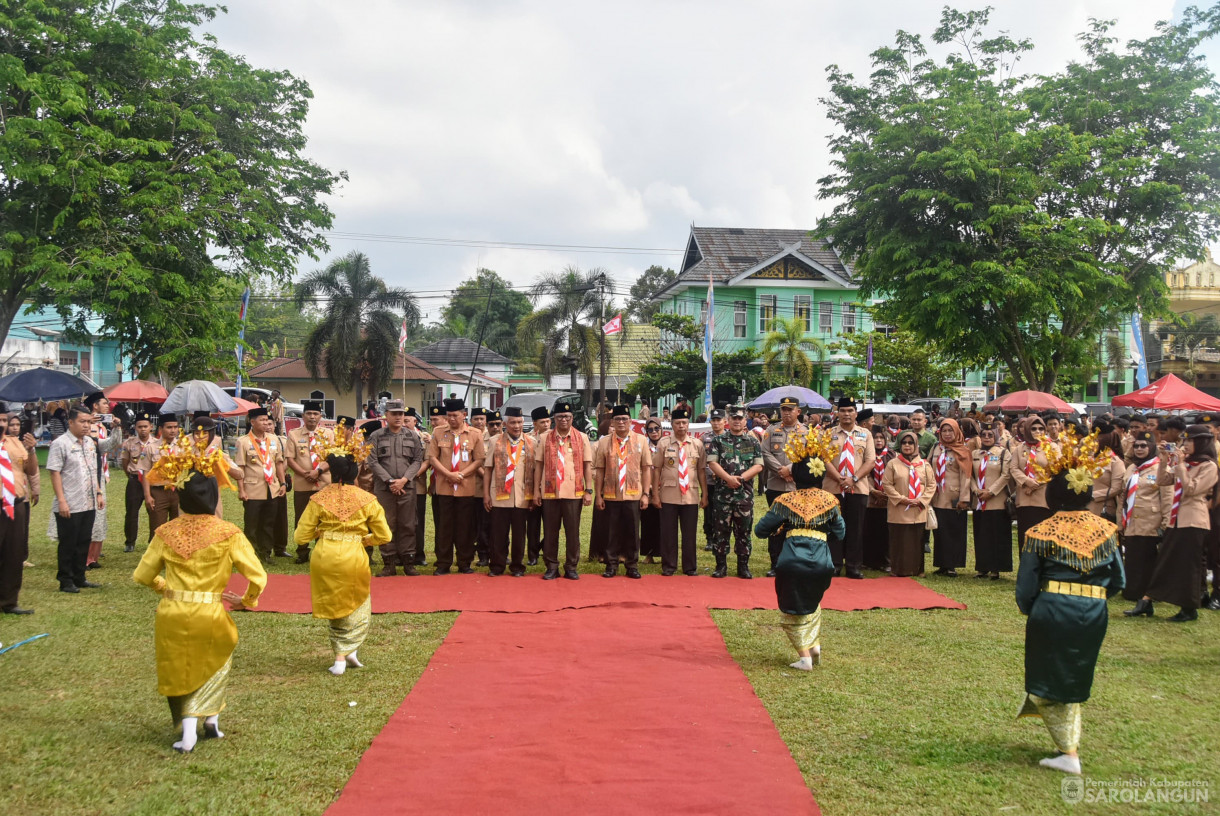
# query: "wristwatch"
x,y
589,492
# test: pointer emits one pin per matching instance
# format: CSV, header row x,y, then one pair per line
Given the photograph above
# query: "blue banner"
x,y
241,346
1136,344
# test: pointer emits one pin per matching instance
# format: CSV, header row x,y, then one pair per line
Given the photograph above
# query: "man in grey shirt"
x,y
73,464
396,454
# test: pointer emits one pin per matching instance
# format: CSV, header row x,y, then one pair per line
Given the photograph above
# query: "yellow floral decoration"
x,y
187,455
1083,459
816,445
347,442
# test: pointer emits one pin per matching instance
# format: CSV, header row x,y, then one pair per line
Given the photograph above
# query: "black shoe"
x,y
1185,615
465,570
69,588
950,573
441,571
610,571
690,572
93,566
302,556
551,574
743,570
1204,600
282,554
518,573
571,575
667,572
632,572
981,575
494,573
88,585
387,572
771,572
707,547
995,576
483,562
533,562
1214,605
939,571
410,569
17,610
855,574
421,561
129,548
1142,607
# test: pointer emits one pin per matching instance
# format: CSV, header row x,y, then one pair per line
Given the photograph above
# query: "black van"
x,y
530,400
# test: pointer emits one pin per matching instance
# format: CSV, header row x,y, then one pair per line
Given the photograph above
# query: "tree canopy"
x,y
1016,218
903,366
640,307
146,176
486,304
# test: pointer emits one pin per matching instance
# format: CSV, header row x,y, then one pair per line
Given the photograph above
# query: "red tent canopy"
x,y
1169,393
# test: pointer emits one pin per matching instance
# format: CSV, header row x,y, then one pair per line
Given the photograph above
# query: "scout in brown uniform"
x,y
541,418
421,487
1108,487
18,470
162,502
679,489
623,475
261,459
909,488
951,468
457,455
509,492
303,451
876,538
1027,455
778,472
478,421
396,454
135,458
990,485
849,479
563,483
650,516
1143,516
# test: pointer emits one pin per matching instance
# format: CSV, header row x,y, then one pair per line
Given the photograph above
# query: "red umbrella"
x,y
242,407
1169,393
136,391
1028,401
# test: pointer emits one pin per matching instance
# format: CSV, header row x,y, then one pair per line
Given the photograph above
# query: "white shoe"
x,y
804,664
338,668
353,662
1064,762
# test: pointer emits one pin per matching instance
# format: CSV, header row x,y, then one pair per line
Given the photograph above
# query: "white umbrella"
x,y
197,395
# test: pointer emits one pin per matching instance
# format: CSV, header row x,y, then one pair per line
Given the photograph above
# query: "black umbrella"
x,y
35,384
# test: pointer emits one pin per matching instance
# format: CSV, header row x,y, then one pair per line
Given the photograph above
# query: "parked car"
x,y
530,400
290,408
941,404
882,410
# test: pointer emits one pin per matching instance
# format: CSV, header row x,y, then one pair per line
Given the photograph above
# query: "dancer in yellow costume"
x,y
195,636
343,519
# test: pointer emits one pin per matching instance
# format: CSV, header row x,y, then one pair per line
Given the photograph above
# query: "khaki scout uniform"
x,y
678,510
261,488
456,505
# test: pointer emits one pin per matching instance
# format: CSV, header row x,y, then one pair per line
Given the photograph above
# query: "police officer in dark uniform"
x,y
778,468
396,453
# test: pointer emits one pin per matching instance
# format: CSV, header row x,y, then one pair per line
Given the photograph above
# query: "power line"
x,y
492,244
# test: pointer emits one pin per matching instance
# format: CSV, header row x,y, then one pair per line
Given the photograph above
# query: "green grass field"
x,y
910,712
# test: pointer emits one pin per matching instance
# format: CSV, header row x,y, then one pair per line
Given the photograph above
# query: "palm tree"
x,y
788,354
566,326
356,344
1190,335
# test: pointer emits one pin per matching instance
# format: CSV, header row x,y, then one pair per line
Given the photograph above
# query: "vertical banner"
x,y
241,335
1136,343
709,329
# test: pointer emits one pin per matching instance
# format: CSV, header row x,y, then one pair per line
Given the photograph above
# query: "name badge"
x,y
465,455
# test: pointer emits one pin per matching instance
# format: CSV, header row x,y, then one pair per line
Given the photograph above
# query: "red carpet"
x,y
619,709
480,593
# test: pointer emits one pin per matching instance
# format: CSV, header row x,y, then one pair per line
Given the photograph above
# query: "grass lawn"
x,y
909,712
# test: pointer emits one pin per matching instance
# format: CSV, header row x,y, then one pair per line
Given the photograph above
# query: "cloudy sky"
x,y
587,124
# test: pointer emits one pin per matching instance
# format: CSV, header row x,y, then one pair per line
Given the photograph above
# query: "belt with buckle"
x,y
190,596
1081,590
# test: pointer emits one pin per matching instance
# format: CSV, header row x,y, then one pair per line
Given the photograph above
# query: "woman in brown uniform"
x,y
990,486
1143,516
1108,487
909,487
1029,455
951,469
876,528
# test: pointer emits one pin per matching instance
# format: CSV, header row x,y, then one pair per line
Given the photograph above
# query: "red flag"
x,y
614,326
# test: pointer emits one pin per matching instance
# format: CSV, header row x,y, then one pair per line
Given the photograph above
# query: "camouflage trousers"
x,y
736,520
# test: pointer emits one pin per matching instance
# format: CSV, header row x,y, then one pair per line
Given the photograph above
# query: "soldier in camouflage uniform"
x,y
716,417
736,458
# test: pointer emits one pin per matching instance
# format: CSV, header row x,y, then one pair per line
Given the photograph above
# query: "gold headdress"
x,y
817,445
187,455
1083,460
347,443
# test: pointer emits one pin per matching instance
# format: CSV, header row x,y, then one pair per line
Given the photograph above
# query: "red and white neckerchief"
x,y
878,470
7,486
622,463
914,483
847,465
313,450
263,453
1133,484
1031,459
102,435
942,465
982,479
559,443
511,470
1177,496
455,458
683,470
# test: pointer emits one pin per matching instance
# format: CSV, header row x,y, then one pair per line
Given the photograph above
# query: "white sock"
x,y
353,661
189,736
1064,762
213,722
815,655
339,667
804,664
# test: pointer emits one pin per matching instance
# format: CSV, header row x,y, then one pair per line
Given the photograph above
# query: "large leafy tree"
x,y
485,305
356,343
789,354
640,306
1016,218
903,366
146,175
274,323
565,324
683,373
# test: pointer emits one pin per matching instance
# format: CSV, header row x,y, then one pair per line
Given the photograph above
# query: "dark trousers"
x,y
482,538
533,533
455,529
650,531
992,541
622,520
421,507
851,549
133,500
74,533
279,525
400,516
258,517
598,535
165,507
876,539
14,550
506,522
675,517
299,502
565,512
775,544
1027,517
949,539
709,511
